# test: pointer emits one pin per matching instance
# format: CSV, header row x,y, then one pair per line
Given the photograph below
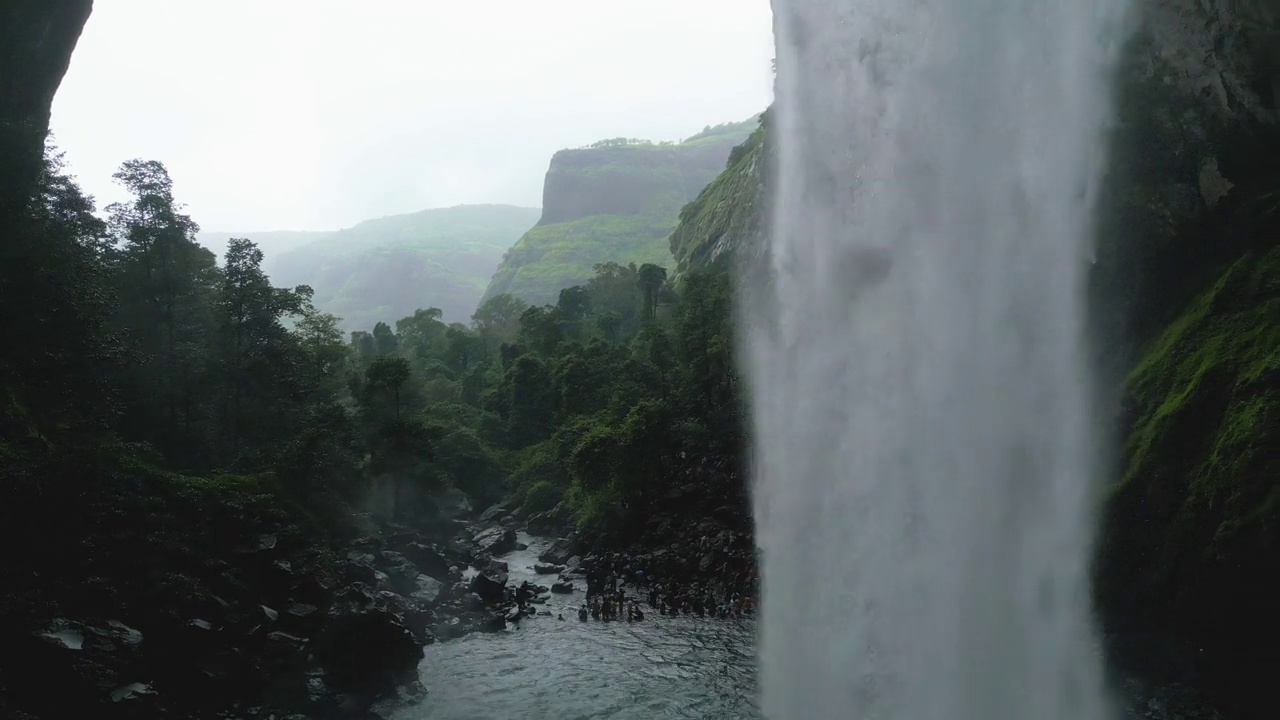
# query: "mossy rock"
x,y
1191,532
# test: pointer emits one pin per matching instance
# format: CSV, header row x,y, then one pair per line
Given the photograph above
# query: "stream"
x,y
662,667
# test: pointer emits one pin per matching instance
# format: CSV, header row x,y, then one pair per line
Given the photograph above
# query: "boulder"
x,y
558,552
401,573
491,587
562,588
428,559
497,540
428,589
364,645
547,568
92,666
493,514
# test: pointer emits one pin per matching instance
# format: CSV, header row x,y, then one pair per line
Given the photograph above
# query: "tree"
x,y
166,283
541,328
462,348
574,303
650,278
387,374
498,319
421,329
258,359
385,341
57,351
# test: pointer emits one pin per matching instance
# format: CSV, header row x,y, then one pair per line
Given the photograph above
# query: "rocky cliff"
x,y
36,40
727,218
616,201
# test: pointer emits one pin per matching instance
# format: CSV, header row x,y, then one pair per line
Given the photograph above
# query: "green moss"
x,y
1196,514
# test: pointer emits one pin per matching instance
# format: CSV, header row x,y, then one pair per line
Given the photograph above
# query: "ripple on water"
x,y
547,668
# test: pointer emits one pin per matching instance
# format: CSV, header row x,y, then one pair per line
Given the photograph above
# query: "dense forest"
x,y
163,410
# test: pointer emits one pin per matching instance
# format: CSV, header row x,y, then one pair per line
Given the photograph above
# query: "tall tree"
x,y
165,283
650,278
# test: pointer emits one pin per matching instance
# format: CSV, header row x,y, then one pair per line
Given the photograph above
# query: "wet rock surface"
x,y
292,631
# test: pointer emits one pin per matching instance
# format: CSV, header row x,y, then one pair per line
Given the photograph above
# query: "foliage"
x,y
597,399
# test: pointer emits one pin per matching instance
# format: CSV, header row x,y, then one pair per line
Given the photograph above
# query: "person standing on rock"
x,y
522,595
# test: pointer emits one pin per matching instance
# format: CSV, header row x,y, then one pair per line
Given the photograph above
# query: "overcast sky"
x,y
316,114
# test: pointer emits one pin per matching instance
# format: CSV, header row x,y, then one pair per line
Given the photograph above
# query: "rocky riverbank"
x,y
284,631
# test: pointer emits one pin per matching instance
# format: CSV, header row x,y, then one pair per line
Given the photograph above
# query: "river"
x,y
662,667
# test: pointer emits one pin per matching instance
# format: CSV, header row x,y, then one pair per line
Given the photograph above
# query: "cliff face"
x,y
631,179
36,40
616,201
727,220
1188,234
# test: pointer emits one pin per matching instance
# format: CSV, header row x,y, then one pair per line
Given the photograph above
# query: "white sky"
x,y
316,114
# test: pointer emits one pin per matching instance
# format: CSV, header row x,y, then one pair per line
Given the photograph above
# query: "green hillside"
x,y
384,269
614,201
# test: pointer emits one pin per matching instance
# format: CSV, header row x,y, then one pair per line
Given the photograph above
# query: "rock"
x,y
562,588
428,559
401,574
497,540
498,566
547,568
558,552
522,546
428,589
573,562
493,514
491,587
365,646
269,614
302,610
93,666
280,647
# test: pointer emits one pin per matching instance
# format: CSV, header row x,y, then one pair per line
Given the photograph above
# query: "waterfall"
x,y
922,407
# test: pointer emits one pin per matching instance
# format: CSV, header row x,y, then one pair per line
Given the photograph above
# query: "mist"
x,y
314,116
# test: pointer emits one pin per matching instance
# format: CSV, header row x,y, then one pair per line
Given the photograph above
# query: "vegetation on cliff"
x,y
727,217
615,201
386,268
1193,518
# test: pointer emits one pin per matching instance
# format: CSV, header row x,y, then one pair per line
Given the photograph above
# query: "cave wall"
x,y
36,41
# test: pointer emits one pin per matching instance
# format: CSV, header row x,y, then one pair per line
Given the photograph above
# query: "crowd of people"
x,y
609,577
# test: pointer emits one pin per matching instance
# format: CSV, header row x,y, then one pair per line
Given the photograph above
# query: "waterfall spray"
x,y
921,399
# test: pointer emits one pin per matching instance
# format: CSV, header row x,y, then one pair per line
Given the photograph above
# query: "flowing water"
x,y
547,669
922,406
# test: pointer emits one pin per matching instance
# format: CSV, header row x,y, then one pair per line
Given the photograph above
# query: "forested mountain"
x,y
386,268
615,201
